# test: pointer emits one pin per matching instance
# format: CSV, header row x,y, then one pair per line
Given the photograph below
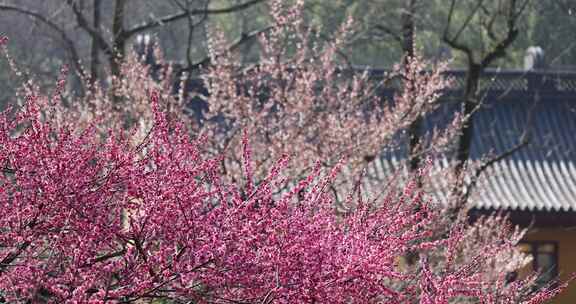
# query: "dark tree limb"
x,y
488,163
70,47
192,12
475,69
95,47
388,31
234,46
118,41
85,25
467,21
12,256
453,43
191,26
523,142
511,34
409,52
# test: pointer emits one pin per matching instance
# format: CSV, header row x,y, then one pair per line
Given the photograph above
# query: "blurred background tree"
x,y
95,32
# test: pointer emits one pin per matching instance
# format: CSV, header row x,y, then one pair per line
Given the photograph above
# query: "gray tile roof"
x,y
539,177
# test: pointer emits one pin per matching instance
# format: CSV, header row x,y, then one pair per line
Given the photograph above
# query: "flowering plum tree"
x,y
90,220
243,213
86,221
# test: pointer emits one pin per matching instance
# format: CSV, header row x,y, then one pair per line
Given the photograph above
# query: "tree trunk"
x,y
408,32
118,49
465,140
95,48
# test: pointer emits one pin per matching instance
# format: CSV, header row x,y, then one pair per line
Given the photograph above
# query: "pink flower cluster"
x,y
89,221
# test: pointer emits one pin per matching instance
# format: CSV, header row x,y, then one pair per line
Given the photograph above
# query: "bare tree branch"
x,y
118,24
74,57
452,42
84,24
12,256
487,164
392,33
191,26
511,34
475,70
95,48
234,46
175,17
467,21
